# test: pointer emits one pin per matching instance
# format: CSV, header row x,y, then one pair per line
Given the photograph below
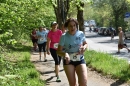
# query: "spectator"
x,y
74,45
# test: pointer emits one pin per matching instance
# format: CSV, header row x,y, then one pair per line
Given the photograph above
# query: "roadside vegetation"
x,y
16,68
108,65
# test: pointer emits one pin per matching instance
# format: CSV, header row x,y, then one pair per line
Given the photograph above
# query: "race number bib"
x,y
41,39
56,45
74,57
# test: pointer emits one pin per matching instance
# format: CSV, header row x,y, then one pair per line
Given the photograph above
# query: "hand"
x,y
81,49
67,58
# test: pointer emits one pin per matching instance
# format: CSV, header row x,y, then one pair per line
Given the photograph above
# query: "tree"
x,y
80,18
61,8
118,8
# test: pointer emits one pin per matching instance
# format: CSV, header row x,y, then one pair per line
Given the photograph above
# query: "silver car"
x,y
127,34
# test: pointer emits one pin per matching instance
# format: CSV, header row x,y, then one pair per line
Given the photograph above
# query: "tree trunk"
x,y
61,11
80,16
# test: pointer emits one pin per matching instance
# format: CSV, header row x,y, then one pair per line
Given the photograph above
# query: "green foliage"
x,y
107,12
7,38
21,16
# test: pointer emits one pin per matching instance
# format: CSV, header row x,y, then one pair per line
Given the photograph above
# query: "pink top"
x,y
55,38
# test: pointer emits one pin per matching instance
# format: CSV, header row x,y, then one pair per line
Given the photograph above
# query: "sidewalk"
x,y
46,70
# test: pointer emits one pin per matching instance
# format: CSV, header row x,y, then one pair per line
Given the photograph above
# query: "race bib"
x,y
74,57
56,45
41,39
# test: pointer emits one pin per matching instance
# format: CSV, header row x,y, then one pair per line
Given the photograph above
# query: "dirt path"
x,y
46,70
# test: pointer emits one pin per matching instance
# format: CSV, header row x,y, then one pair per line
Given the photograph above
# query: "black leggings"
x,y
42,46
56,58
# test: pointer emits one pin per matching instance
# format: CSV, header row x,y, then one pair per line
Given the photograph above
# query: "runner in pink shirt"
x,y
53,39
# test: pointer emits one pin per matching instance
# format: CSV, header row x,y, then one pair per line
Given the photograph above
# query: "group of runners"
x,y
67,43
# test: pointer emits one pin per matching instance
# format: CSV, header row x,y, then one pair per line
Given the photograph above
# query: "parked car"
x,y
95,29
101,30
127,34
107,32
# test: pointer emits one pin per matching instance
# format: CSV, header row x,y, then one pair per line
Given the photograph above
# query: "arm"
x,y
83,48
63,54
85,45
60,51
48,45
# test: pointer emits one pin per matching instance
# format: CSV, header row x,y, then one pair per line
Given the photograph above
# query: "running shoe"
x,y
45,60
58,79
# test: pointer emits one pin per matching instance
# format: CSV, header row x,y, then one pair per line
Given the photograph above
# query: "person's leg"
x,y
33,42
70,73
81,71
44,50
40,49
126,48
119,46
55,57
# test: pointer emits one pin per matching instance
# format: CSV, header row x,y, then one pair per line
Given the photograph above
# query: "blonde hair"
x,y
120,28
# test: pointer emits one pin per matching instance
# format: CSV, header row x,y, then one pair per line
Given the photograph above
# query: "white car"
x,y
86,24
127,34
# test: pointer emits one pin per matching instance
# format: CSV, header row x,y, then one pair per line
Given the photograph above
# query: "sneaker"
x,y
58,79
45,60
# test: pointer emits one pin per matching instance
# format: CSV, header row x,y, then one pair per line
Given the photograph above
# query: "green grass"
x,y
16,68
108,65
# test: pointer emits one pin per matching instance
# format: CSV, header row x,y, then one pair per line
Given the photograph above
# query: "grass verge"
x,y
108,65
16,68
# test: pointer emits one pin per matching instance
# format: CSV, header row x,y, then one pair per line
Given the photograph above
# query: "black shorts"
x,y
34,41
42,46
75,63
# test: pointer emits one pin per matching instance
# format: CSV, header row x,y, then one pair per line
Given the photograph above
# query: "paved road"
x,y
104,44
